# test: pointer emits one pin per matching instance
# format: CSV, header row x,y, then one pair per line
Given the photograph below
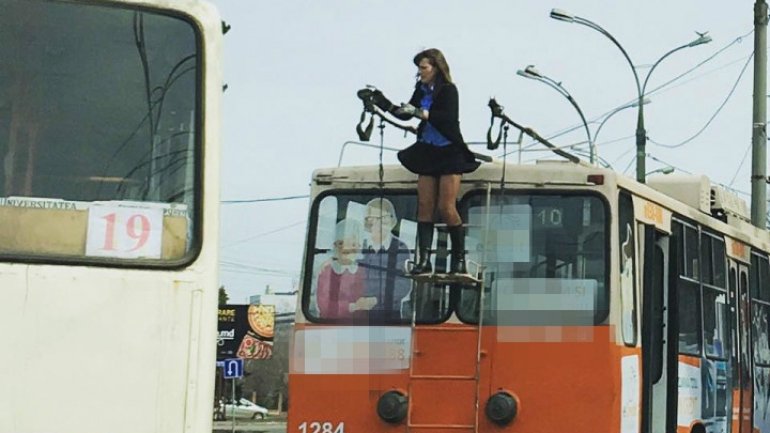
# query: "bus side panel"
x,y
93,346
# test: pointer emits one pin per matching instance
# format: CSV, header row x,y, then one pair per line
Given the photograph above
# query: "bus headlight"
x,y
392,407
501,408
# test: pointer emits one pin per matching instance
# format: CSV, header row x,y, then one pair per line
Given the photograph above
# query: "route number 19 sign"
x,y
124,231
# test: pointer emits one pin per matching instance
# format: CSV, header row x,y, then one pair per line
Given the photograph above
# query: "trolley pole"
x,y
759,119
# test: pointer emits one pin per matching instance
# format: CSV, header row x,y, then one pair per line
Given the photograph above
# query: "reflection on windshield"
x,y
356,269
98,104
545,258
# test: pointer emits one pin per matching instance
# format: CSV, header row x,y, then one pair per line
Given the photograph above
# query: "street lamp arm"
x,y
592,149
601,30
655,65
531,73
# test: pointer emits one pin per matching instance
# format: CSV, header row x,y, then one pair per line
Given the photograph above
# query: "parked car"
x,y
243,408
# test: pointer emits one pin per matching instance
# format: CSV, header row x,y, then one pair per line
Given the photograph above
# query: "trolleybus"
x,y
108,215
605,305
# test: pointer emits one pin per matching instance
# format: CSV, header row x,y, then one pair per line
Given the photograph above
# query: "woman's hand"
x,y
413,111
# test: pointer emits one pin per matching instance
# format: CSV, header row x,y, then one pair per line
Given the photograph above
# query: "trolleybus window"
x,y
759,282
688,290
626,256
98,137
545,255
359,243
715,318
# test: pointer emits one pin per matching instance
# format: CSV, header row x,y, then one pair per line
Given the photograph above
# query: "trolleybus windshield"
x,y
545,256
358,245
98,133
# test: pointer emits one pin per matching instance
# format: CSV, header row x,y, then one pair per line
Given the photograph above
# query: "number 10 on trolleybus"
x,y
598,304
108,215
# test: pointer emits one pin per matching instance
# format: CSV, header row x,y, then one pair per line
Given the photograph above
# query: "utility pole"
x,y
759,119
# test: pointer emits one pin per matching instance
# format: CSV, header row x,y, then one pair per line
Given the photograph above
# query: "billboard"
x,y
245,331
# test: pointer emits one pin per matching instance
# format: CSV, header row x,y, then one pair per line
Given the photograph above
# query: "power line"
x,y
259,200
304,221
745,154
739,39
719,109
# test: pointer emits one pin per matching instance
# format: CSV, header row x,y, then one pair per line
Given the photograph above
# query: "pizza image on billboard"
x,y
262,320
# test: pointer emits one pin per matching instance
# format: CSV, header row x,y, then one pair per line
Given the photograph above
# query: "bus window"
x,y
759,282
546,258
760,317
691,261
359,245
763,292
98,133
720,263
626,256
715,323
754,276
707,274
689,317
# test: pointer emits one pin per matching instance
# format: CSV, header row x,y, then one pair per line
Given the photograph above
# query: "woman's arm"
x,y
414,101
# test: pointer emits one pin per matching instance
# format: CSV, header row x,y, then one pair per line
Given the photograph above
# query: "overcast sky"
x,y
293,68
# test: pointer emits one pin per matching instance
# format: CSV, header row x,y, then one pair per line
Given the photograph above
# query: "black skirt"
x,y
427,159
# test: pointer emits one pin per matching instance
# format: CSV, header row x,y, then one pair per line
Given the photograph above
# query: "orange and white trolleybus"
x,y
601,305
109,198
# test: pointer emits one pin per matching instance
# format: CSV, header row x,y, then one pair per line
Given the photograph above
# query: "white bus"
x,y
109,196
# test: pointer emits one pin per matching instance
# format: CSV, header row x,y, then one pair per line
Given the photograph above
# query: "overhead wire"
x,y
716,113
745,154
282,228
657,89
260,200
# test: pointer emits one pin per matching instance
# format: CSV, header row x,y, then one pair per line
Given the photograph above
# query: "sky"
x,y
292,69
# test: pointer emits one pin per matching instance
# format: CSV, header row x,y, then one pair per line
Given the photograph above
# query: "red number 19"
x,y
140,234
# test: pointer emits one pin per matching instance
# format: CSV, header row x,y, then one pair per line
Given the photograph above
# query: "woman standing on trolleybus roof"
x,y
439,157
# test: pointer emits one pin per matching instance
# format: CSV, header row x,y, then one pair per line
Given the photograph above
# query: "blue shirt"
x,y
430,134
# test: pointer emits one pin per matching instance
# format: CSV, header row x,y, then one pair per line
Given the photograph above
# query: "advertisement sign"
x,y
245,331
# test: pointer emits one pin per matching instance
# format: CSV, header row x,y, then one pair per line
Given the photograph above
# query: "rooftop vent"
x,y
726,205
697,191
692,190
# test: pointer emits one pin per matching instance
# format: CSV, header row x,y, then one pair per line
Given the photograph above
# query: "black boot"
x,y
457,236
424,242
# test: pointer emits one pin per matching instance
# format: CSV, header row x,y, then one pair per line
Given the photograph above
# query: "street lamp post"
x,y
641,133
532,73
633,104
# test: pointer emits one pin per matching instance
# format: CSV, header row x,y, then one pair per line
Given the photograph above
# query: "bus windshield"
x,y
545,256
98,135
358,245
